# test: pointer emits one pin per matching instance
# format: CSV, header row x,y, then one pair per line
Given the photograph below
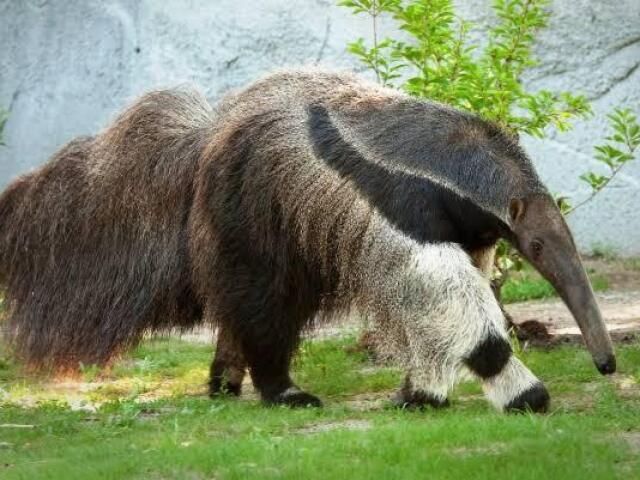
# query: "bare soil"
x,y
350,424
550,321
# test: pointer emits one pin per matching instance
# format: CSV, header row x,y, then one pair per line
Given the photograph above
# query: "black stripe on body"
x,y
420,208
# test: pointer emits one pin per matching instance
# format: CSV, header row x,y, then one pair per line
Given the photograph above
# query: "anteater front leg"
x,y
452,323
467,330
269,341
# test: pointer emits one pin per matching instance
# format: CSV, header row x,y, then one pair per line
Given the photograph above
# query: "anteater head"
x,y
540,233
534,224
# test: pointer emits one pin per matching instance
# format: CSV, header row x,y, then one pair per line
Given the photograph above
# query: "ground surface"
x,y
620,309
149,417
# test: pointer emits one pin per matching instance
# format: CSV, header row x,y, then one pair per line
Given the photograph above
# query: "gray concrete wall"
x,y
66,66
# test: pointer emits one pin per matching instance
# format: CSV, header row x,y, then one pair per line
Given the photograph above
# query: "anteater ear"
x,y
516,210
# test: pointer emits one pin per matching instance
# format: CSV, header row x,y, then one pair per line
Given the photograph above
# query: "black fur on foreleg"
x,y
534,399
294,397
267,326
409,398
271,378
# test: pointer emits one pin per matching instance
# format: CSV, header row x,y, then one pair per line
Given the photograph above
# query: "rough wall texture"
x,y
66,66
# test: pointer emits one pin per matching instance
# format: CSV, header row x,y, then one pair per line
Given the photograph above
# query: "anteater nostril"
x,y
608,366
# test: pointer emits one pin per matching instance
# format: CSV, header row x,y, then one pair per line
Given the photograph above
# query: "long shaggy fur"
x,y
94,245
306,194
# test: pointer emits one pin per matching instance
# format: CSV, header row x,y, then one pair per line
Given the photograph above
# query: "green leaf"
x,y
595,180
564,204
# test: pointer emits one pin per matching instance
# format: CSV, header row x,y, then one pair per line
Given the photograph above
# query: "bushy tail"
x,y
10,201
93,245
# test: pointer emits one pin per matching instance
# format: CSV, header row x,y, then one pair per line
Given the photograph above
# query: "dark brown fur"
x,y
94,244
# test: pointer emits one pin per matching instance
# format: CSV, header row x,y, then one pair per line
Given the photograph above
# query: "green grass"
x,y
604,252
527,284
633,263
154,421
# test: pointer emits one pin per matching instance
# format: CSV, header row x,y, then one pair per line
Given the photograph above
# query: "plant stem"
x,y
595,191
614,172
374,16
508,60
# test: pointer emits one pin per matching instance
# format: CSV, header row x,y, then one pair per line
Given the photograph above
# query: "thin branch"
x,y
374,16
595,191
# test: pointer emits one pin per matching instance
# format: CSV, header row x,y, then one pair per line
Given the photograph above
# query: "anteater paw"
x,y
417,400
534,399
295,398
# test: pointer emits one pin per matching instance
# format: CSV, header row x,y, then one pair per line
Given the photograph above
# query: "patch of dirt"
x,y
573,402
633,440
624,382
549,322
367,402
626,385
70,386
89,396
469,397
326,427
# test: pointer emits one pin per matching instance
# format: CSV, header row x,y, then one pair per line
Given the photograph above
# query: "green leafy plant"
x,y
433,57
619,149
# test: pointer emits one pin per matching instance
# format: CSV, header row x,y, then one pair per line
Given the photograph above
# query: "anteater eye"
x,y
536,247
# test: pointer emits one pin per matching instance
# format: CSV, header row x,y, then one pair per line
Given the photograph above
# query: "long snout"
x,y
578,295
566,273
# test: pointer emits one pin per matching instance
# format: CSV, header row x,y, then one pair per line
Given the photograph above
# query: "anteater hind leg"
x,y
268,348
228,367
266,324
